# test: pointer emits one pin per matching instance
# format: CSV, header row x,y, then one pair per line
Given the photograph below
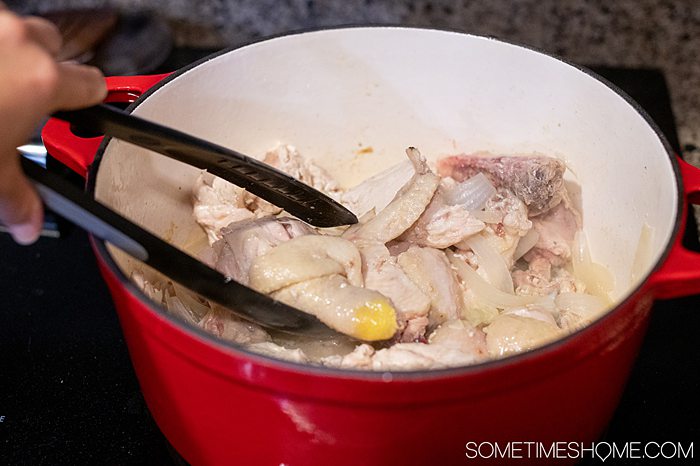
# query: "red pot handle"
x,y
77,153
680,274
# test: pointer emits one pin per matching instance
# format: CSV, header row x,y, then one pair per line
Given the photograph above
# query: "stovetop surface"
x,y
68,394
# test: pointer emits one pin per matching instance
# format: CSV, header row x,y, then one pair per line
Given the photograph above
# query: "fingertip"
x,y
79,86
24,234
28,232
93,74
97,81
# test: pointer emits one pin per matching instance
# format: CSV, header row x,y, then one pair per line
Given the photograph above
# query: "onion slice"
x,y
196,305
526,243
483,290
472,193
491,262
643,254
577,310
584,305
598,279
177,307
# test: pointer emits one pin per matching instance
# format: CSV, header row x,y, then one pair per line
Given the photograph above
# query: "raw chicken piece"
x,y
442,225
413,330
242,242
397,247
430,270
539,278
403,211
217,204
287,159
455,343
460,335
225,325
510,334
537,180
377,192
360,358
512,224
304,258
383,274
512,211
419,356
359,312
557,229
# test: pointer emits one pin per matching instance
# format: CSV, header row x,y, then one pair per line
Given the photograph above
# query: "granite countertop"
x,y
662,34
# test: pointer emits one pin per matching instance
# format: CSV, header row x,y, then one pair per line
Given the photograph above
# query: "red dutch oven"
x,y
329,93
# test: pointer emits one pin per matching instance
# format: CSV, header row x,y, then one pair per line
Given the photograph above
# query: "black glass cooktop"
x,y
68,394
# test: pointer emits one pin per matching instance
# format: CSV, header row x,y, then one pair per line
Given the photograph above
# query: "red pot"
x,y
388,88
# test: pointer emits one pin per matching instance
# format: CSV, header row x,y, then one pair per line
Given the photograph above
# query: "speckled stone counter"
x,y
662,34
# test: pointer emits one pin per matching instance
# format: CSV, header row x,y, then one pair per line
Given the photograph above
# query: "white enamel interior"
x,y
331,93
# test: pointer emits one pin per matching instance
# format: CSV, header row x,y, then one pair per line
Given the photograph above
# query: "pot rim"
x,y
414,375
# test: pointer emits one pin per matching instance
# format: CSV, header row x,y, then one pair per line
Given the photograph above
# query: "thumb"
x,y
21,210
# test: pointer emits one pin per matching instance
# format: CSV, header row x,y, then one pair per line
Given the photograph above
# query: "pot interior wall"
x,y
331,93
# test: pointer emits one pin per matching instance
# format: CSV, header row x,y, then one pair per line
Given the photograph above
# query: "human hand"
x,y
32,85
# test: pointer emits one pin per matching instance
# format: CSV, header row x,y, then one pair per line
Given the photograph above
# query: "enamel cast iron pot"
x,y
330,93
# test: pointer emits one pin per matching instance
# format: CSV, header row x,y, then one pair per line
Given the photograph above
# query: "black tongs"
x,y
258,178
70,202
275,186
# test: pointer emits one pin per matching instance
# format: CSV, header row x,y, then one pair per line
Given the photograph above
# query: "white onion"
x,y
584,305
643,254
537,314
472,193
176,306
491,263
155,293
526,243
197,308
576,310
484,291
598,280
